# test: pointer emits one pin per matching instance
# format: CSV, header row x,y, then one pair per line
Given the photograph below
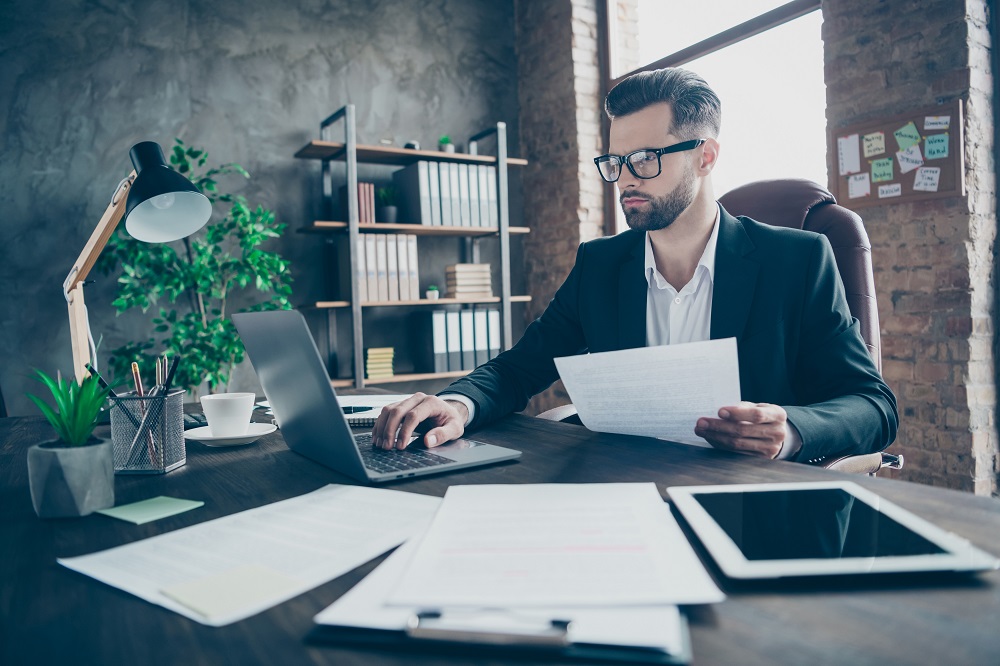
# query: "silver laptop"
x,y
293,377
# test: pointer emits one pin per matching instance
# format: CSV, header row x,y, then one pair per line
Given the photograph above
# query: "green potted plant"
x,y
432,293
74,474
445,144
194,283
387,197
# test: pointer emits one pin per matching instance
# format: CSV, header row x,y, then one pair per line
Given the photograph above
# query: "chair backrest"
x,y
802,204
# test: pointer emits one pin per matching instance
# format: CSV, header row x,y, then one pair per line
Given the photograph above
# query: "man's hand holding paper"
x,y
665,391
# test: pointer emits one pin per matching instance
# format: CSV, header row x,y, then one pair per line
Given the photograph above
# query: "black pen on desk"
x,y
355,410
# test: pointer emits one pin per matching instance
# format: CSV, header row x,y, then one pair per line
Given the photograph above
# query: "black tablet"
x,y
811,529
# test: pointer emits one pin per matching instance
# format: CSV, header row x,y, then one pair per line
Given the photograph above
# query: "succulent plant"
x,y
78,406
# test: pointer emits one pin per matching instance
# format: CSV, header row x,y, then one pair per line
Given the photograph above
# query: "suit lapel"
x,y
735,279
632,287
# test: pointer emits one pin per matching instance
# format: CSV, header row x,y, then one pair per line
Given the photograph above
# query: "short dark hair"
x,y
697,109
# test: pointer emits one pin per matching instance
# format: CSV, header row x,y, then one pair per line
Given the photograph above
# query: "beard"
x,y
661,211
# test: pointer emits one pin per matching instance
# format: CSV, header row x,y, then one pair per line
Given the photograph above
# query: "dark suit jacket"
x,y
776,290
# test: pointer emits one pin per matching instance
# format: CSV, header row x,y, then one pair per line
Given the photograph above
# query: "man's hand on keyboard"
x,y
395,425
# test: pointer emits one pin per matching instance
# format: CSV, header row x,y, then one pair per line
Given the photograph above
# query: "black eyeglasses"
x,y
643,163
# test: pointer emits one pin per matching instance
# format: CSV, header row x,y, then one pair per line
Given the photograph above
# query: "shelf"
x,y
330,150
328,305
322,227
396,379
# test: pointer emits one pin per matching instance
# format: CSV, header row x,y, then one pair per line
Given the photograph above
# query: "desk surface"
x,y
49,614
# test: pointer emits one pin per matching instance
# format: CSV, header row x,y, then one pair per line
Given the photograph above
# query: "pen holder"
x,y
147,434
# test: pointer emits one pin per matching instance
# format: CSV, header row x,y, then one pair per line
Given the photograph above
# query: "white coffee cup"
x,y
228,414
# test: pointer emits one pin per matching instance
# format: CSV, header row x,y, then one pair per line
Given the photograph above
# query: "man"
x,y
688,271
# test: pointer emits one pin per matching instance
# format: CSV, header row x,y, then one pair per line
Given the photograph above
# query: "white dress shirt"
x,y
674,317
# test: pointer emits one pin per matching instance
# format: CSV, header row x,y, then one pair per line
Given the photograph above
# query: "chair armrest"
x,y
868,463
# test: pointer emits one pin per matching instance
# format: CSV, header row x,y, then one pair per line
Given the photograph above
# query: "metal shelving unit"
x,y
327,150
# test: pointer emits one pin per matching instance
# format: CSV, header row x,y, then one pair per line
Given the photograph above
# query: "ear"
x,y
709,155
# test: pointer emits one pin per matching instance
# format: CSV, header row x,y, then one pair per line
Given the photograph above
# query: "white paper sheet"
x,y
551,545
309,539
848,154
653,391
657,627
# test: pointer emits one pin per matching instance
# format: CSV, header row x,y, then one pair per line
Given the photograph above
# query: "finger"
x,y
738,428
450,430
754,413
745,445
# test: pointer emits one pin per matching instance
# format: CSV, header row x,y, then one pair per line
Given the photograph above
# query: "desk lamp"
x,y
161,206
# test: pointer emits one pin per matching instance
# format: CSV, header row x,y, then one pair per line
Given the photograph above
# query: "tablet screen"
x,y
809,524
778,530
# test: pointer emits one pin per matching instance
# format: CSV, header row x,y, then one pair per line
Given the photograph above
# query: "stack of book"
x,y
378,362
468,281
366,202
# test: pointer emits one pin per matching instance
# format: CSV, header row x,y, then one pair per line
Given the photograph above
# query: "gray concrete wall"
x,y
249,80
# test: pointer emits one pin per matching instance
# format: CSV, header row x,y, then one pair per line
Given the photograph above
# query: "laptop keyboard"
x,y
387,461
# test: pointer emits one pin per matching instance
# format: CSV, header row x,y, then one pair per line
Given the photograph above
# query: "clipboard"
x,y
641,634
429,635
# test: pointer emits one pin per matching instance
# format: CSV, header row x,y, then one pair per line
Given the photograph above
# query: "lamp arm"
x,y
79,326
99,238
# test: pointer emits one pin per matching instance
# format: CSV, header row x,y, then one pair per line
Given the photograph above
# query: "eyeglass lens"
x,y
643,163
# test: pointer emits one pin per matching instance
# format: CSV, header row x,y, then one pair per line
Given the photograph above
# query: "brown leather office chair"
x,y
802,204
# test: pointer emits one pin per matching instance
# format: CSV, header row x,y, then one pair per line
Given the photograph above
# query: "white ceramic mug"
x,y
228,414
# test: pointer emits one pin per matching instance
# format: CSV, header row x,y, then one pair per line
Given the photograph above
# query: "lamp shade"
x,y
162,205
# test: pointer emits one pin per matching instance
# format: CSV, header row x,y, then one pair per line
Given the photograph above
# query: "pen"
x,y
151,444
137,380
100,380
355,410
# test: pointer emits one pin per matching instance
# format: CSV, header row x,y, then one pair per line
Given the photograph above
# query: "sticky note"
x,y
937,122
927,179
907,135
909,159
858,186
882,170
149,510
873,144
223,594
936,146
848,154
886,191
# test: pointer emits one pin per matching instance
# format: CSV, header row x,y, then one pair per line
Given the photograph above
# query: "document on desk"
x,y
364,607
228,569
549,545
653,391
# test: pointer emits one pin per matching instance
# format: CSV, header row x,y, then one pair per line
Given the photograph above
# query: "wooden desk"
x,y
49,614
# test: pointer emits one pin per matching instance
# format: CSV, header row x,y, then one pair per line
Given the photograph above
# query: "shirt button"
x,y
677,300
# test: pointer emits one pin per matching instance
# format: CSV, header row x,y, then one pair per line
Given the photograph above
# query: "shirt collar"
x,y
707,257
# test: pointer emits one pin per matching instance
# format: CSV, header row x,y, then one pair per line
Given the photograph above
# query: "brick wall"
x,y
934,261
559,87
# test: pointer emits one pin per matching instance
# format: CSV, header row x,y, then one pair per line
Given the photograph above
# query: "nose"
x,y
627,180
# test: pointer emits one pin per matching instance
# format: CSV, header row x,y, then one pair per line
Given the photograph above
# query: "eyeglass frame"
x,y
659,152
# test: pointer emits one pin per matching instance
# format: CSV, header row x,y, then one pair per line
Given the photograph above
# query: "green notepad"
x,y
152,509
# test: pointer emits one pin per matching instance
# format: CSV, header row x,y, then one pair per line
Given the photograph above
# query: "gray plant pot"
x,y
68,481
387,214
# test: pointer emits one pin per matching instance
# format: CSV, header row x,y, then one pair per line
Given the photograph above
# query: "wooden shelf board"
x,y
329,305
328,150
324,226
395,379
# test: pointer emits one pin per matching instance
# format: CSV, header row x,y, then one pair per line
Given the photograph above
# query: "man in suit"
x,y
688,271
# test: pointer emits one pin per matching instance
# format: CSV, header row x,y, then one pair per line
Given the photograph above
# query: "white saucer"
x,y
254,432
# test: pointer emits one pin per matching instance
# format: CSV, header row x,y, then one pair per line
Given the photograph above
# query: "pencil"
x,y
151,444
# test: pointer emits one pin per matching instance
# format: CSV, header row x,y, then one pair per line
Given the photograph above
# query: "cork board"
x,y
910,157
